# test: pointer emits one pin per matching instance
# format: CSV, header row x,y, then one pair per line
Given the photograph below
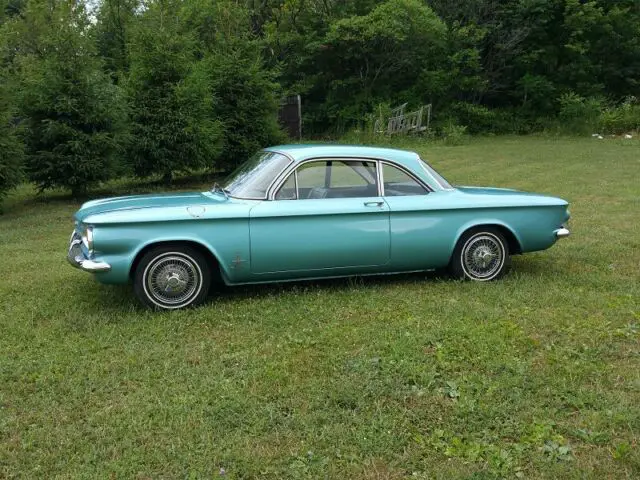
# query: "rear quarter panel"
x,y
425,230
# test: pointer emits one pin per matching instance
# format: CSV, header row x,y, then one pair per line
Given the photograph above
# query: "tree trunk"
x,y
79,191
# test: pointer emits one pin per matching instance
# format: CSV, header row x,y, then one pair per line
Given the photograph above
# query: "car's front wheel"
x,y
172,277
482,254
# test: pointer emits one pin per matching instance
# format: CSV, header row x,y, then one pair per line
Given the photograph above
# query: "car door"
x,y
415,220
327,218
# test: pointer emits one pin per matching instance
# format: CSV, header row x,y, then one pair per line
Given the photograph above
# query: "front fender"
x,y
227,240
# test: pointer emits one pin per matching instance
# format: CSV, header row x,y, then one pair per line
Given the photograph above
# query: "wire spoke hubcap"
x,y
173,279
483,256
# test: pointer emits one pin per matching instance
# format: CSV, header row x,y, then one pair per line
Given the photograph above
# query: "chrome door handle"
x,y
373,204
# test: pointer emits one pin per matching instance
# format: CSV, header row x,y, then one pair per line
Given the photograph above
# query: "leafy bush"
x,y
623,118
514,121
454,134
477,118
579,114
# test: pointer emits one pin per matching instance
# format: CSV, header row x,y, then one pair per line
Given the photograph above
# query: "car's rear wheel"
x,y
172,277
482,254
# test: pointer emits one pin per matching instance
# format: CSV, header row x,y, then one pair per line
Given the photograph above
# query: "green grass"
x,y
533,376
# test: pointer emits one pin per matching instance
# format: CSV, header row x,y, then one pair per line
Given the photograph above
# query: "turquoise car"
x,y
296,212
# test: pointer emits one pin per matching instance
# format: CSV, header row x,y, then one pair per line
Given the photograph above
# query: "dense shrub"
x,y
578,114
622,118
454,134
477,118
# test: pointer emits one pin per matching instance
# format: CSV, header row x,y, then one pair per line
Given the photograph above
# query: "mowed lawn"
x,y
536,375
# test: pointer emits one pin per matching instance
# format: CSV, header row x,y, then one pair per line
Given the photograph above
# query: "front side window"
x,y
252,179
289,190
397,183
331,179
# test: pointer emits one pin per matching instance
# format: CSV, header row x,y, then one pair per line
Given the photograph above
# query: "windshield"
x,y
436,176
253,177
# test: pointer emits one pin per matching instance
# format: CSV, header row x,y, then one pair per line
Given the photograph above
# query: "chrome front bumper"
x,y
562,233
77,259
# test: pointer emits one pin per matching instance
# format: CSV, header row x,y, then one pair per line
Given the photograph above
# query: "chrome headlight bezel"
x,y
87,239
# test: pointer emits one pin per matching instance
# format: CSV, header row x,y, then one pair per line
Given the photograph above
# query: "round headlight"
x,y
87,239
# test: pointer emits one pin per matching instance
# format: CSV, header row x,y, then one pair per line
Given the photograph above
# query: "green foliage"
x,y
246,106
247,96
378,56
514,59
11,8
579,114
170,100
202,79
622,118
454,134
72,113
112,31
11,148
477,118
537,93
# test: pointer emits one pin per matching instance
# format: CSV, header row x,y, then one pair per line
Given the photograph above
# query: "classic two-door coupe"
x,y
306,212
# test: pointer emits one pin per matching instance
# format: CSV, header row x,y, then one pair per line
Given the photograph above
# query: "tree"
x,y
11,148
72,112
113,26
246,95
378,57
170,99
247,106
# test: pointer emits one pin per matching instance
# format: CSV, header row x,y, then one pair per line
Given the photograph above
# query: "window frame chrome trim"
x,y
380,178
286,173
378,161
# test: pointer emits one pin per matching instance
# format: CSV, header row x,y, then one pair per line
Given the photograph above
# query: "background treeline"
x,y
91,91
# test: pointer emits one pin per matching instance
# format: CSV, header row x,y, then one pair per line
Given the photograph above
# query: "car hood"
x,y
191,204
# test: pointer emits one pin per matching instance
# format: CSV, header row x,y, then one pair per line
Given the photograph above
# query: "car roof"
x,y
299,152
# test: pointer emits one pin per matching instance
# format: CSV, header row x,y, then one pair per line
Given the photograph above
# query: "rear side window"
x,y
439,179
398,183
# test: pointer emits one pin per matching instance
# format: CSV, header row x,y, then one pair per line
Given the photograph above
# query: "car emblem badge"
x,y
238,261
196,212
